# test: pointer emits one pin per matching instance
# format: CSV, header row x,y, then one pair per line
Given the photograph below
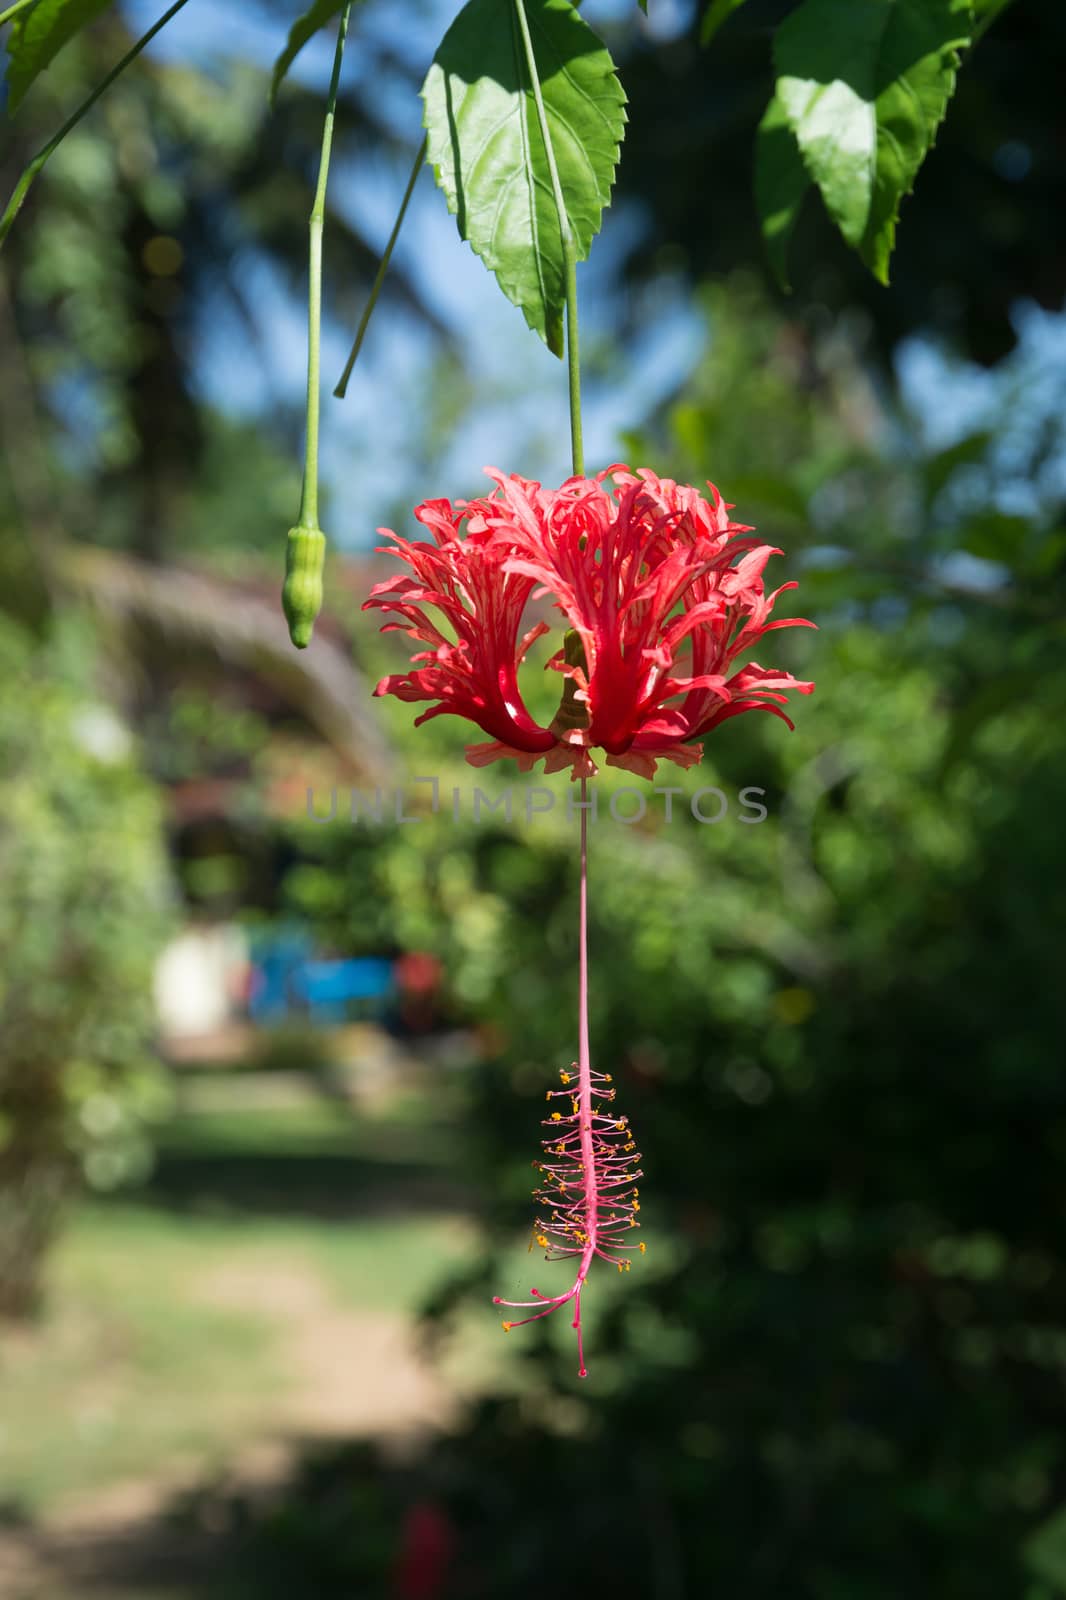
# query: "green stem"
x,y
309,497
360,333
567,241
13,11
22,188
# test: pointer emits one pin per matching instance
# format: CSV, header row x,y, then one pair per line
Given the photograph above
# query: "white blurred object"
x,y
199,979
101,734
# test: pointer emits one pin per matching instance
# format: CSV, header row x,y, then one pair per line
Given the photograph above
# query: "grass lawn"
x,y
180,1323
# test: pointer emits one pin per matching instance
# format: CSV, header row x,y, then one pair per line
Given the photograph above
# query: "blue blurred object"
x,y
288,977
276,957
330,989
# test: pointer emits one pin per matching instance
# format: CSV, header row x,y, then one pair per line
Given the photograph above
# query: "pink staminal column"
x,y
588,1197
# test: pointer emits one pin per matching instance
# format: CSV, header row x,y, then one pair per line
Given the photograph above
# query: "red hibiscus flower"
x,y
662,594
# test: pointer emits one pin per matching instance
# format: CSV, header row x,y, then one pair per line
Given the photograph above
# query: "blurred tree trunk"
x,y
37,1176
27,532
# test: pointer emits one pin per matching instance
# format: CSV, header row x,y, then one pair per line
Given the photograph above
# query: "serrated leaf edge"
x,y
488,256
952,63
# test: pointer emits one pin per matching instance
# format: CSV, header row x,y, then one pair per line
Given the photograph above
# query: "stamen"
x,y
588,1198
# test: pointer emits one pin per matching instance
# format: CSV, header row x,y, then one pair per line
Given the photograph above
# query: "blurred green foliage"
x,y
84,906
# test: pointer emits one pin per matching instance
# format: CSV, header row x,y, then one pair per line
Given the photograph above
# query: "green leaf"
x,y
781,182
488,156
717,12
38,35
304,28
865,85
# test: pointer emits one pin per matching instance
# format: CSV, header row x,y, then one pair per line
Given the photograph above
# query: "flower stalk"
x,y
13,11
305,551
383,266
566,240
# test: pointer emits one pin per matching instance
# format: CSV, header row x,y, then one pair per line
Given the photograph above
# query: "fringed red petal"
x,y
664,591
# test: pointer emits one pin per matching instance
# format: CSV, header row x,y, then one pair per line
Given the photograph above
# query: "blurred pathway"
x,y
350,1373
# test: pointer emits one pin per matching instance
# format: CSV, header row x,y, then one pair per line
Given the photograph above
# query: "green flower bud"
x,y
301,597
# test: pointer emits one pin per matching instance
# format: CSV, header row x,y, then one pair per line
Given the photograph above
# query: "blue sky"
x,y
520,420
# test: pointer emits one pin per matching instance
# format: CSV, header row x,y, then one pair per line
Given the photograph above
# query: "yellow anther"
x,y
621,1267
557,1116
607,1078
565,1076
635,1193
629,1146
547,1094
636,1205
642,1247
621,1122
507,1326
542,1240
